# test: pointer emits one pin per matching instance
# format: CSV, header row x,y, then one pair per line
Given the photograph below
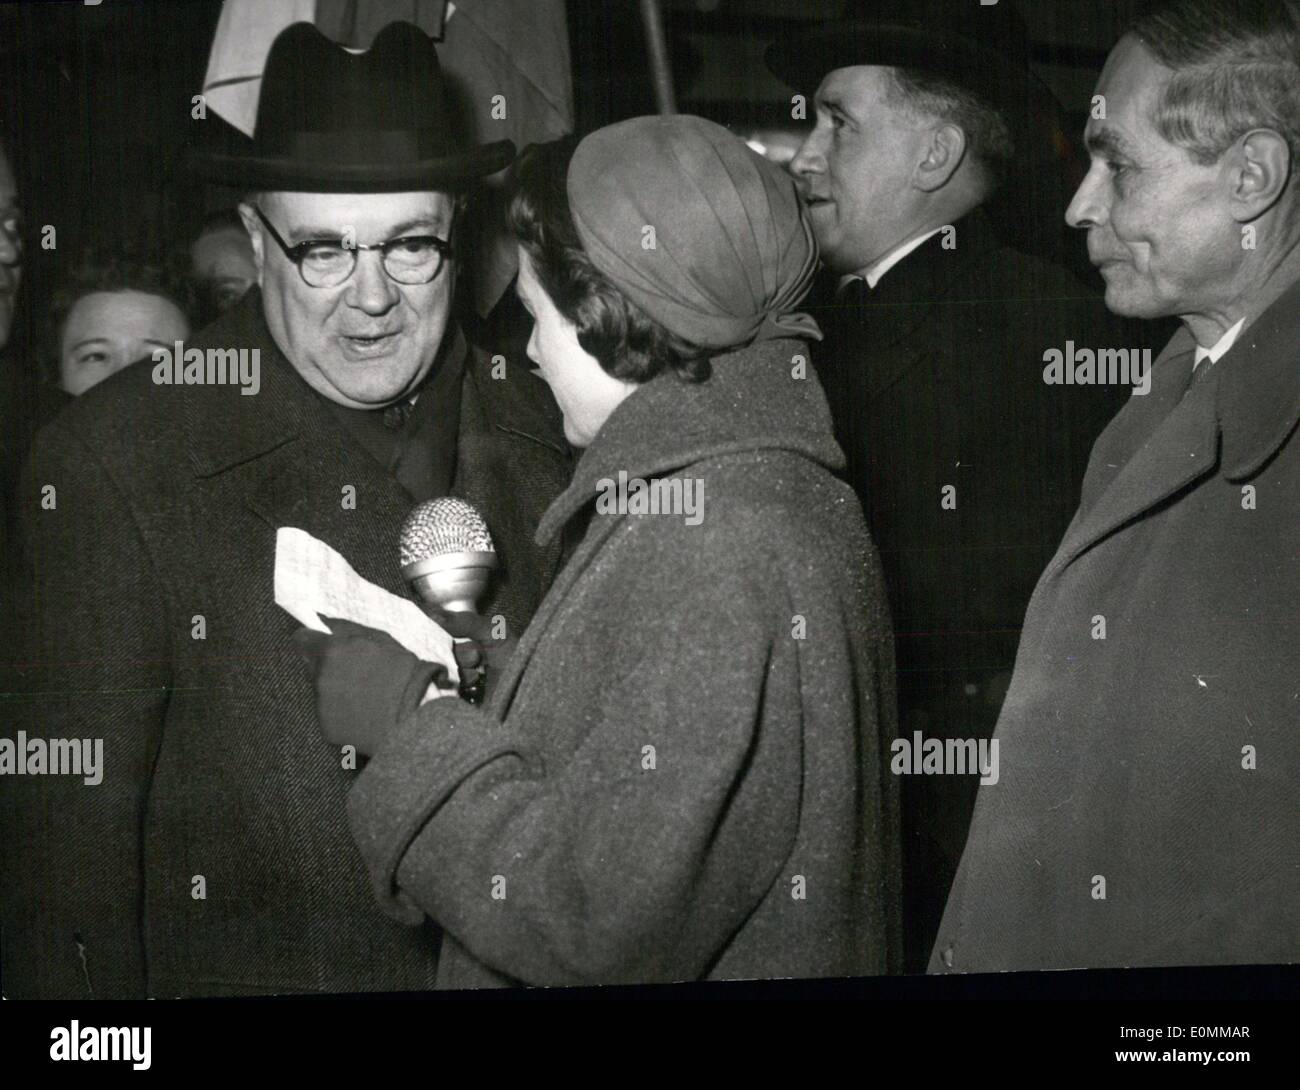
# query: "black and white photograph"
x,y
650,499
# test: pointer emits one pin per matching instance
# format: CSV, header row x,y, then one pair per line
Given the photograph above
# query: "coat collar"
x,y
299,455
884,321
1259,391
1160,443
929,271
227,428
752,401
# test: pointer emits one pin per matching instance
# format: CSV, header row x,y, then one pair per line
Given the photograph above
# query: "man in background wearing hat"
x,y
967,463
212,856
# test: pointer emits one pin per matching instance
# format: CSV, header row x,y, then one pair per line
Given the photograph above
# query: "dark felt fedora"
x,y
331,121
984,48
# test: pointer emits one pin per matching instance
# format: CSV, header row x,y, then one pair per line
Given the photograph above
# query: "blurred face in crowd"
x,y
1159,225
222,265
106,330
11,254
368,341
585,391
856,169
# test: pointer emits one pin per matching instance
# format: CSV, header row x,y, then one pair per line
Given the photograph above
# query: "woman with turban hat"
x,y
683,770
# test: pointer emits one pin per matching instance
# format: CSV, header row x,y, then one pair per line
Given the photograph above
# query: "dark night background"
x,y
95,106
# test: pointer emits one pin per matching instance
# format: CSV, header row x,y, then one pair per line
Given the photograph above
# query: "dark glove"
x,y
479,654
366,682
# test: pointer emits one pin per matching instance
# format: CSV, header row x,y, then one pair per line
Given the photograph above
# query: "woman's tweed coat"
x,y
683,773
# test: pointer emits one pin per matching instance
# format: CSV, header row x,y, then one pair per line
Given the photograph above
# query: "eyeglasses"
x,y
327,263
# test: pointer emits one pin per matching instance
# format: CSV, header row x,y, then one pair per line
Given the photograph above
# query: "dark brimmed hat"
x,y
332,121
983,48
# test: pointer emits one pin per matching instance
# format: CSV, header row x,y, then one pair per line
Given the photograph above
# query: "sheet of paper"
x,y
312,580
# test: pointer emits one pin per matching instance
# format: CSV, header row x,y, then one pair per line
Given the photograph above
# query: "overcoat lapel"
x,y
886,333
294,458
598,532
1159,444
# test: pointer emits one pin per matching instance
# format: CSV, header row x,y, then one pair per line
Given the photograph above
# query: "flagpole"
x,y
661,72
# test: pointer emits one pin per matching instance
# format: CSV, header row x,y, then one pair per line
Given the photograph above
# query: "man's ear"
x,y
1258,170
254,228
946,150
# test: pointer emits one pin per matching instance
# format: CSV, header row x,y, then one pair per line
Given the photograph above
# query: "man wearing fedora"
x,y
212,855
966,461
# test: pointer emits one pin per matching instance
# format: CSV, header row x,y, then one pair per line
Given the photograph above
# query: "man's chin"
x,y
375,394
1127,300
1127,305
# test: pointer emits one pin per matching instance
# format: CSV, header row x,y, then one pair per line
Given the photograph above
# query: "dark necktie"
x,y
1202,371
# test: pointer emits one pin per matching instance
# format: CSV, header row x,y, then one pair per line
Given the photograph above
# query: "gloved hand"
x,y
479,652
366,682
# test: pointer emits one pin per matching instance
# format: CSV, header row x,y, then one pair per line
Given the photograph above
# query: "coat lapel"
x,y
883,334
598,532
1160,443
304,487
293,456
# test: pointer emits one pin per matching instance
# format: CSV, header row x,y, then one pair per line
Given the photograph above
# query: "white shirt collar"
x,y
872,273
1219,348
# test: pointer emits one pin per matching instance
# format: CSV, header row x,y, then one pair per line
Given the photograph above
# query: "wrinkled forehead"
x,y
1130,86
368,214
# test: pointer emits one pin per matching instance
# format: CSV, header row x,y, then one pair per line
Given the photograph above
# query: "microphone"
x,y
447,556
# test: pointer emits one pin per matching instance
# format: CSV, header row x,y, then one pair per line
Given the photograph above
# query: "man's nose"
x,y
371,289
1088,206
810,158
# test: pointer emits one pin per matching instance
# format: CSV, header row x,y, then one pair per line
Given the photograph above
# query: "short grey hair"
x,y
1236,68
988,135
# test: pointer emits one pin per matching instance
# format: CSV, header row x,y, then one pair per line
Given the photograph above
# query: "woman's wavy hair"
x,y
627,342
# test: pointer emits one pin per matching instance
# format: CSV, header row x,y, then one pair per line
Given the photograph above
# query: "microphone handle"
x,y
472,692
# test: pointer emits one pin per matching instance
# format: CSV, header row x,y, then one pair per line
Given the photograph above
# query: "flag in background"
x,y
517,49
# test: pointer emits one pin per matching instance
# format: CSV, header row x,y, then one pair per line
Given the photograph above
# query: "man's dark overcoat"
x,y
214,857
1150,741
935,379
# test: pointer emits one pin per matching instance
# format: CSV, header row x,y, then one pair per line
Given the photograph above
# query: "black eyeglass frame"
x,y
297,253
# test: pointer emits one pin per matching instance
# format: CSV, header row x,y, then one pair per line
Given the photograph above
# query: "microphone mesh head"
x,y
441,526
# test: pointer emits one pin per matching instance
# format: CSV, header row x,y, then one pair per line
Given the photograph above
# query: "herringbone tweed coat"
x,y
168,501
684,774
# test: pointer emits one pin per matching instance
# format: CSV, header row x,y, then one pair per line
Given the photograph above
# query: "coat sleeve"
x,y
603,869
89,658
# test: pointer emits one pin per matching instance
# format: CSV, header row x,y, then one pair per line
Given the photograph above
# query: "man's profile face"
x,y
11,254
369,341
1159,225
855,169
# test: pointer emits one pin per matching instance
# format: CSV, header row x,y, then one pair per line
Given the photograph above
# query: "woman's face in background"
x,y
585,391
106,330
